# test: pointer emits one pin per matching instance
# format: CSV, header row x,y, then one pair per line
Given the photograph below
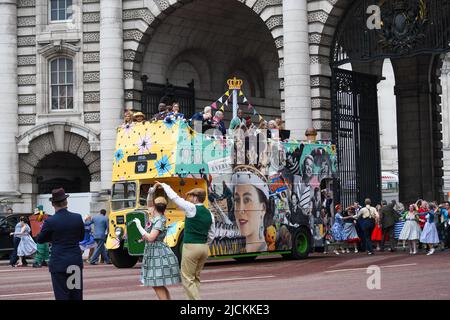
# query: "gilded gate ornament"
x,y
403,25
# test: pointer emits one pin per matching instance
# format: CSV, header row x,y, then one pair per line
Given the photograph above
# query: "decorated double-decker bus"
x,y
265,193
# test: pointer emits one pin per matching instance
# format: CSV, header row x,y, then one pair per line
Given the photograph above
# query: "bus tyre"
x,y
245,259
121,259
301,244
178,249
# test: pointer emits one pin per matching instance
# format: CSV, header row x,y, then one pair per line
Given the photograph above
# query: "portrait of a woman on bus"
x,y
252,210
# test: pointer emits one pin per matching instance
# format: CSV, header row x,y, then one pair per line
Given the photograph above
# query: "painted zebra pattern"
x,y
293,161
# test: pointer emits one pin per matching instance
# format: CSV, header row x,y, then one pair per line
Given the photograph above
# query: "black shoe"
x,y
37,265
44,264
369,253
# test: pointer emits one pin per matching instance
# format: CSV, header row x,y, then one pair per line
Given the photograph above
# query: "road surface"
x,y
319,277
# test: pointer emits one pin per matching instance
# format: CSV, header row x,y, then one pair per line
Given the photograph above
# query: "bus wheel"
x,y
301,244
178,249
121,259
245,259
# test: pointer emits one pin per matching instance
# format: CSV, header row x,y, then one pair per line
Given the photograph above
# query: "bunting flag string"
x,y
223,102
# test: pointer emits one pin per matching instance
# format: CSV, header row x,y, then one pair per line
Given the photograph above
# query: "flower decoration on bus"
x,y
118,155
127,127
191,133
169,122
163,166
143,144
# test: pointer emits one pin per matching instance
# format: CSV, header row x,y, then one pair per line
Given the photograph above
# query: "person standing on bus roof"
x,y
175,114
162,114
199,230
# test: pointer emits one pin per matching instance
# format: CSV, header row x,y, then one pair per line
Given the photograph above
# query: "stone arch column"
x,y
445,84
323,19
140,23
9,186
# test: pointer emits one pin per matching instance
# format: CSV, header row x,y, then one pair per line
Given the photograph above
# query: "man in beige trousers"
x,y
198,232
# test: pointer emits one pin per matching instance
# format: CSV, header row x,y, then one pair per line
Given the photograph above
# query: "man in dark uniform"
x,y
64,230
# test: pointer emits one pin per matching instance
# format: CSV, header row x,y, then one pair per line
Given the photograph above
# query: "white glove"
x,y
139,226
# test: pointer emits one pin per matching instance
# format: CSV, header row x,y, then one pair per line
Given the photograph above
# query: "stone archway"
x,y
417,69
62,169
45,148
144,30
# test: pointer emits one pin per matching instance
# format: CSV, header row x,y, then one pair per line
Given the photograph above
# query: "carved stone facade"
x,y
281,48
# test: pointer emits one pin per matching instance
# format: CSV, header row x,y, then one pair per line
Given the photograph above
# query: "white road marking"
x,y
389,266
24,294
204,281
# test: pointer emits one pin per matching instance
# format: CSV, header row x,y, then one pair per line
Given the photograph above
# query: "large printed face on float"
x,y
249,211
251,194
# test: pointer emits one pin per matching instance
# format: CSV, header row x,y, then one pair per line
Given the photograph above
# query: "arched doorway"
x,y
413,34
62,169
209,42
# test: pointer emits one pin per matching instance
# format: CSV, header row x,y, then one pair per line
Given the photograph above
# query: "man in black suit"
x,y
64,230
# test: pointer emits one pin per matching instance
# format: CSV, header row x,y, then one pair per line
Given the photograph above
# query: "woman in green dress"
x,y
160,266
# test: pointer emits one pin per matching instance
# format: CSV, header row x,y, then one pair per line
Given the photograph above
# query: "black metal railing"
x,y
355,133
154,93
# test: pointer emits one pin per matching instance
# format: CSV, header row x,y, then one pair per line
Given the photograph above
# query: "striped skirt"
x,y
398,229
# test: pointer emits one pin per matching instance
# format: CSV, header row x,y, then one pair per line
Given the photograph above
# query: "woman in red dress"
x,y
377,233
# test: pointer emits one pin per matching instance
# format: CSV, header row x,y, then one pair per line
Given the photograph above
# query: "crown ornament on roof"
x,y
234,83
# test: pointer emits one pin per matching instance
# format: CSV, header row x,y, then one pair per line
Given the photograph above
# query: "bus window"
x,y
123,196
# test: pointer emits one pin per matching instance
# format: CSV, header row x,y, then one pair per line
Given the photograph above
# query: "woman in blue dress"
x,y
88,242
160,266
338,230
429,234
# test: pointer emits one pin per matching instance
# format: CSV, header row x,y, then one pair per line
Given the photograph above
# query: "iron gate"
x,y
153,94
356,135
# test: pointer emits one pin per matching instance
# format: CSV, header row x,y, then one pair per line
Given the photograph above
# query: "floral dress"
x,y
338,228
159,263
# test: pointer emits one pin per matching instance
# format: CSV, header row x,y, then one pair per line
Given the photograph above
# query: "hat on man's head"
x,y
40,207
197,192
58,195
160,200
